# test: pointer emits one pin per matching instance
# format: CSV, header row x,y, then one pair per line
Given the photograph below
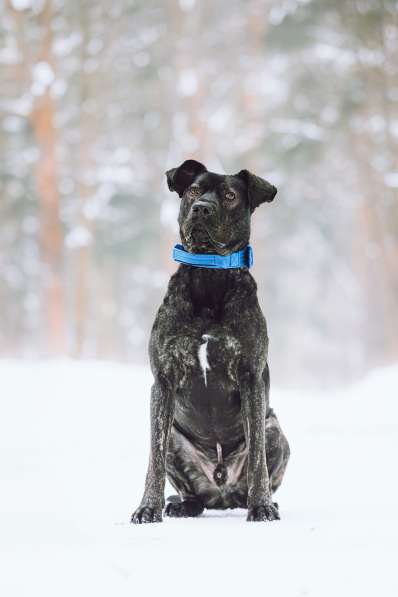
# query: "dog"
x,y
212,431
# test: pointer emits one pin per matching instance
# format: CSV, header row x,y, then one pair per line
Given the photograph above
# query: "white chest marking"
x,y
202,354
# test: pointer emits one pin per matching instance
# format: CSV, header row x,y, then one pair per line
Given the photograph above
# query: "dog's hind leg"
x,y
277,449
186,506
189,473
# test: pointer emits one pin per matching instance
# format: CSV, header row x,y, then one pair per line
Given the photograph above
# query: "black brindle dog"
x,y
212,430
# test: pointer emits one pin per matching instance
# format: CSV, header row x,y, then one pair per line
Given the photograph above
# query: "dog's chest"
x,y
215,350
218,356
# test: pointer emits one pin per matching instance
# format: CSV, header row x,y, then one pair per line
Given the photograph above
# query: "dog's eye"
x,y
230,196
194,192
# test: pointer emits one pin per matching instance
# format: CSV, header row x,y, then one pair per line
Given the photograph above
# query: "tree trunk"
x,y
51,233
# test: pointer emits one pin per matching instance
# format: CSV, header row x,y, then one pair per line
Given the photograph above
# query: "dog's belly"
x,y
209,414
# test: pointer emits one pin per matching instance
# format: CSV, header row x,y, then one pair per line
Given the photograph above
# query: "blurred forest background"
x,y
99,98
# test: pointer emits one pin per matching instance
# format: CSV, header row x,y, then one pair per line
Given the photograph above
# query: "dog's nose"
x,y
202,210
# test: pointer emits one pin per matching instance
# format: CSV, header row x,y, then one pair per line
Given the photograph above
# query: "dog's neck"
x,y
209,285
210,288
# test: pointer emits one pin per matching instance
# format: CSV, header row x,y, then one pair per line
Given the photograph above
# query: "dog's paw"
x,y
263,513
145,514
186,509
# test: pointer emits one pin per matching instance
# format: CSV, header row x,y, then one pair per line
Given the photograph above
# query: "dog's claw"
x,y
263,513
146,514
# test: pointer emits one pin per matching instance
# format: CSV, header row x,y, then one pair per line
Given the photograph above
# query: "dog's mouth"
x,y
199,237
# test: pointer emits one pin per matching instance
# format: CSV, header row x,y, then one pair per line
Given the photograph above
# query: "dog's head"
x,y
216,208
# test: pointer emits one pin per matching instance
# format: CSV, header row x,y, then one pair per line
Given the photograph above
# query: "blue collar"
x,y
243,258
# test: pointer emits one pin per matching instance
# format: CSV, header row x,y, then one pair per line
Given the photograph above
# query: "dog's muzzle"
x,y
202,211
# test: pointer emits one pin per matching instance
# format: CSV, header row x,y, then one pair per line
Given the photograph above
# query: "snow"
x,y
20,5
43,74
391,179
80,236
73,452
64,46
292,126
187,5
13,124
188,82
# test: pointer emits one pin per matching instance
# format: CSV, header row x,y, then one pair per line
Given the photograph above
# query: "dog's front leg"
x,y
162,409
259,500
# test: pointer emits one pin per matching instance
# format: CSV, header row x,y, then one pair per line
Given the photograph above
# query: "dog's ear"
x,y
258,189
179,179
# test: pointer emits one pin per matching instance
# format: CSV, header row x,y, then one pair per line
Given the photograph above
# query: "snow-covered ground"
x,y
73,454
